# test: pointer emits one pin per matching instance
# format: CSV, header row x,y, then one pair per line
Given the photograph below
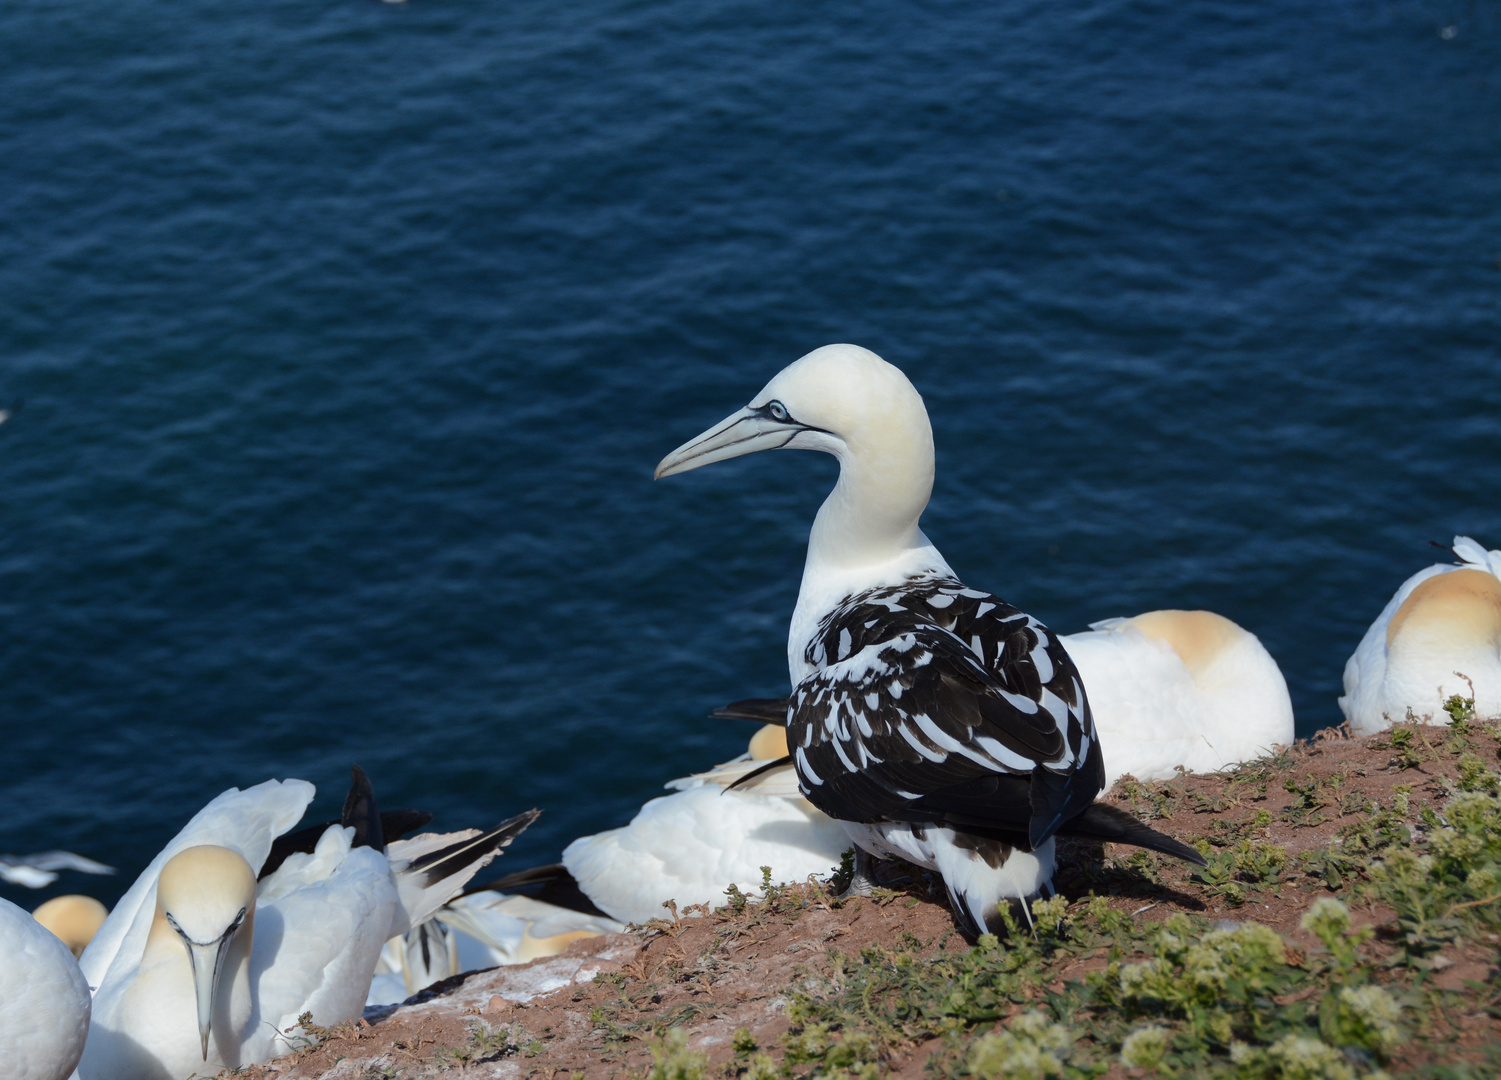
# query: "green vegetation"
x,y
1090,990
488,1043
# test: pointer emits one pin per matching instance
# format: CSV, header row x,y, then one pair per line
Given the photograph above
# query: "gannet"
x,y
936,722
39,869
718,828
1438,636
44,1000
480,929
1173,689
202,967
73,919
692,845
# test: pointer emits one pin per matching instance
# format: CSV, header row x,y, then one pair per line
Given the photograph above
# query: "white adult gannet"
x,y
692,845
1437,637
1187,689
200,967
937,722
73,919
481,929
717,829
44,1000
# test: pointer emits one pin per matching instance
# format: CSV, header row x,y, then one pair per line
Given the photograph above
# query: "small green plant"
x,y
1402,741
737,899
1461,711
1309,798
672,1060
1030,1047
844,877
1254,863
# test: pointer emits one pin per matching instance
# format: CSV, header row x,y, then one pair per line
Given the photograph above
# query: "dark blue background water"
x,y
349,335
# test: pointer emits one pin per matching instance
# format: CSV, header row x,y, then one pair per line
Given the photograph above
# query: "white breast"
x,y
44,1000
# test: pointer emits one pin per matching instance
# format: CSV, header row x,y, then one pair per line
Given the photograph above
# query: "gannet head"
x,y
841,399
73,919
845,401
207,895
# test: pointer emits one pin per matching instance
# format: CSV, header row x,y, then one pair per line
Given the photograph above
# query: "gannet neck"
x,y
885,480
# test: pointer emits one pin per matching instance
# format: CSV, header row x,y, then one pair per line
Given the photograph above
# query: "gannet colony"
x,y
926,720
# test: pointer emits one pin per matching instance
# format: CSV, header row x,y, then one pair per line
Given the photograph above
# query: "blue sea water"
x,y
348,335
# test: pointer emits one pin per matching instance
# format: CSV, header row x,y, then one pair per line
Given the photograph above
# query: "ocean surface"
x,y
348,334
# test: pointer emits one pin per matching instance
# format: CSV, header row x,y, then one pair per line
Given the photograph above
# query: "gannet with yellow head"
x,y
1438,636
73,918
691,845
1180,689
203,967
193,983
937,722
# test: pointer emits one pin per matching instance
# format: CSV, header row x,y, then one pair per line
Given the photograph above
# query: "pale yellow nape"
x,y
769,744
535,948
1464,603
1198,637
73,919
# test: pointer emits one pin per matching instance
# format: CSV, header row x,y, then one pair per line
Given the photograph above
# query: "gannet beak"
x,y
205,960
745,432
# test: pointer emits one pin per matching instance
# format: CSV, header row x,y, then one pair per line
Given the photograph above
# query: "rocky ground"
x,y
1139,955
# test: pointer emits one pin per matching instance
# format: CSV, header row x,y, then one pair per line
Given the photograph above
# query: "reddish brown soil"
x,y
715,974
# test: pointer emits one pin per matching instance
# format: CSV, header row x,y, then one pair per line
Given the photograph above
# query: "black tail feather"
x,y
393,825
757,710
362,812
437,865
1101,821
536,875
774,763
551,884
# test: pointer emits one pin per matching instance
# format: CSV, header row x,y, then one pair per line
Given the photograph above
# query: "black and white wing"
x,y
934,703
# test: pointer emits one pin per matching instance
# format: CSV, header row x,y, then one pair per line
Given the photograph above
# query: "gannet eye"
x,y
778,410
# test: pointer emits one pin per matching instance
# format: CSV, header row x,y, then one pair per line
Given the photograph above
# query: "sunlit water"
x,y
348,335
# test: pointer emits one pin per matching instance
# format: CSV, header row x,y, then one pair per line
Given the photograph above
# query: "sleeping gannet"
x,y
480,929
936,722
1172,689
202,967
692,845
1440,635
44,1000
73,919
718,828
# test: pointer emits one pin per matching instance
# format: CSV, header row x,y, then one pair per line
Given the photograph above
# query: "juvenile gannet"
x,y
1440,635
1172,689
73,919
44,1001
202,967
936,722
